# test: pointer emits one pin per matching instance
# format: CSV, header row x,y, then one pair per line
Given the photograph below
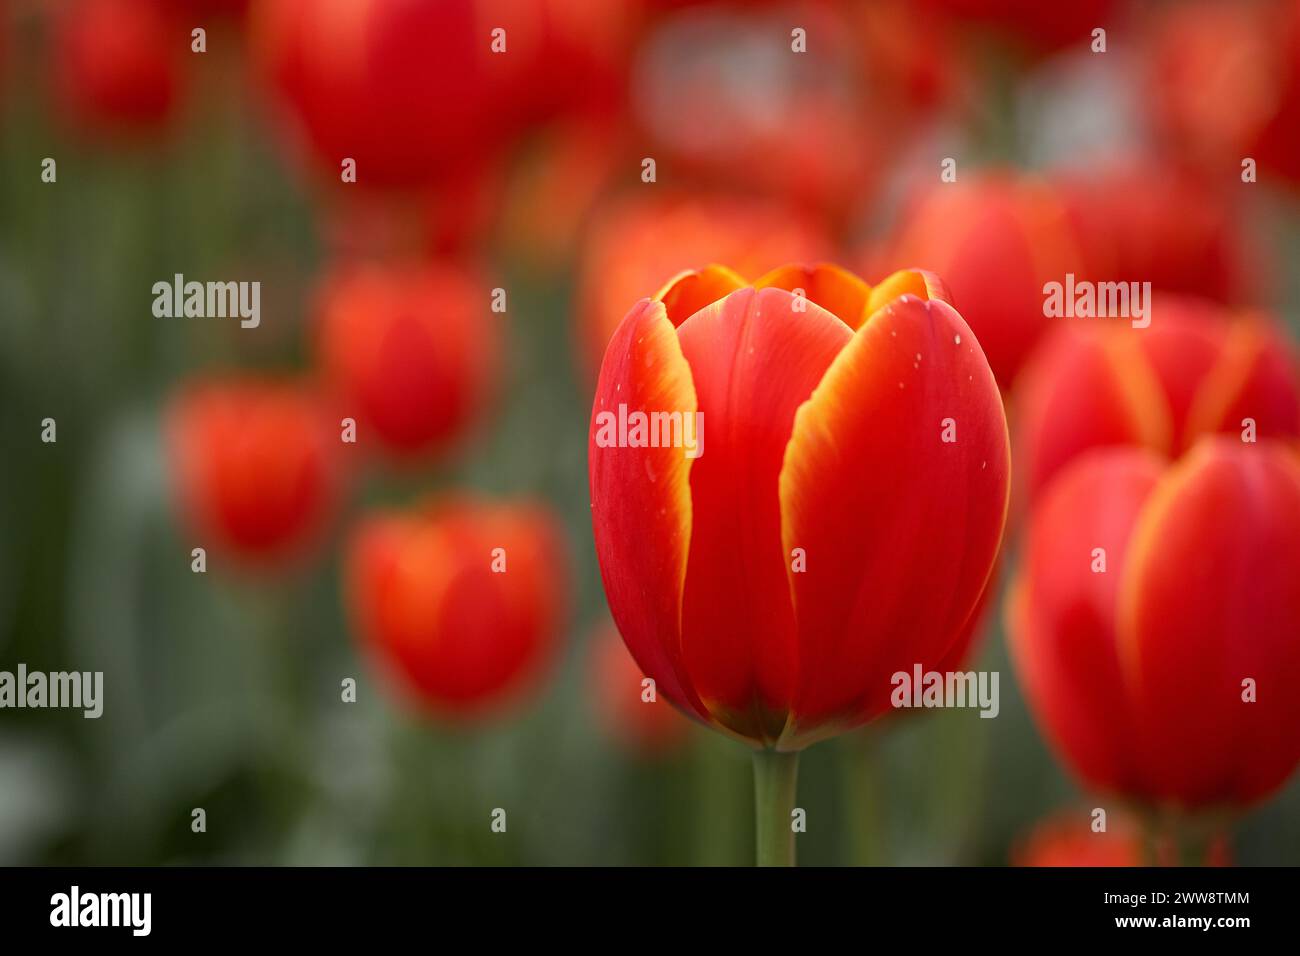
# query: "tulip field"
x,y
646,433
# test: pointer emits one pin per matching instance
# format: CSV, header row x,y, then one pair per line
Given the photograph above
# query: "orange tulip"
x,y
1194,371
844,516
411,351
996,240
1153,622
460,601
255,465
643,723
638,241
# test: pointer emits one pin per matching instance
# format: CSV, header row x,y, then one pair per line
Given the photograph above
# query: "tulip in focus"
x,y
411,351
830,535
1196,370
1153,623
120,64
461,601
646,725
255,466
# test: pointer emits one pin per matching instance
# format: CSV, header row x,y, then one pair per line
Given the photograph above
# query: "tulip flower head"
x,y
844,518
461,601
410,351
1154,622
255,465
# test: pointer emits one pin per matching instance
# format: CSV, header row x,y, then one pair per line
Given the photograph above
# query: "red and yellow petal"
x,y
641,499
1212,599
900,528
836,290
754,360
1085,388
1257,377
1061,614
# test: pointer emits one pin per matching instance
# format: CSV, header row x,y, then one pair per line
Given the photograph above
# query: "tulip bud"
x,y
255,466
1197,370
1154,617
461,601
827,536
410,351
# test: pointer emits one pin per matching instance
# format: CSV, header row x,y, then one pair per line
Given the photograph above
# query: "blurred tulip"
x,y
255,466
408,90
996,239
649,727
410,349
1067,839
120,64
461,600
636,242
1194,371
823,417
1223,83
1153,622
1143,221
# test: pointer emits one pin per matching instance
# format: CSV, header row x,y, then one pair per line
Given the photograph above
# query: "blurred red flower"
x,y
996,238
1067,839
460,600
1153,622
829,535
647,727
1039,27
1198,369
411,351
119,64
255,465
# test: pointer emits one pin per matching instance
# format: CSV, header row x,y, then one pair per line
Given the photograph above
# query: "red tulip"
x,y
637,242
408,90
645,724
828,536
255,465
411,350
1067,839
996,240
461,601
1153,622
1144,221
120,64
1194,371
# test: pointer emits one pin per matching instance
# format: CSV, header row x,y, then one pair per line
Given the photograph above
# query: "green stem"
x,y
775,778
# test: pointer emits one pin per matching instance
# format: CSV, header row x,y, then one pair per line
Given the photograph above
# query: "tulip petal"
x,y
1086,388
1256,377
836,290
1212,598
641,501
900,527
688,292
754,360
1061,615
